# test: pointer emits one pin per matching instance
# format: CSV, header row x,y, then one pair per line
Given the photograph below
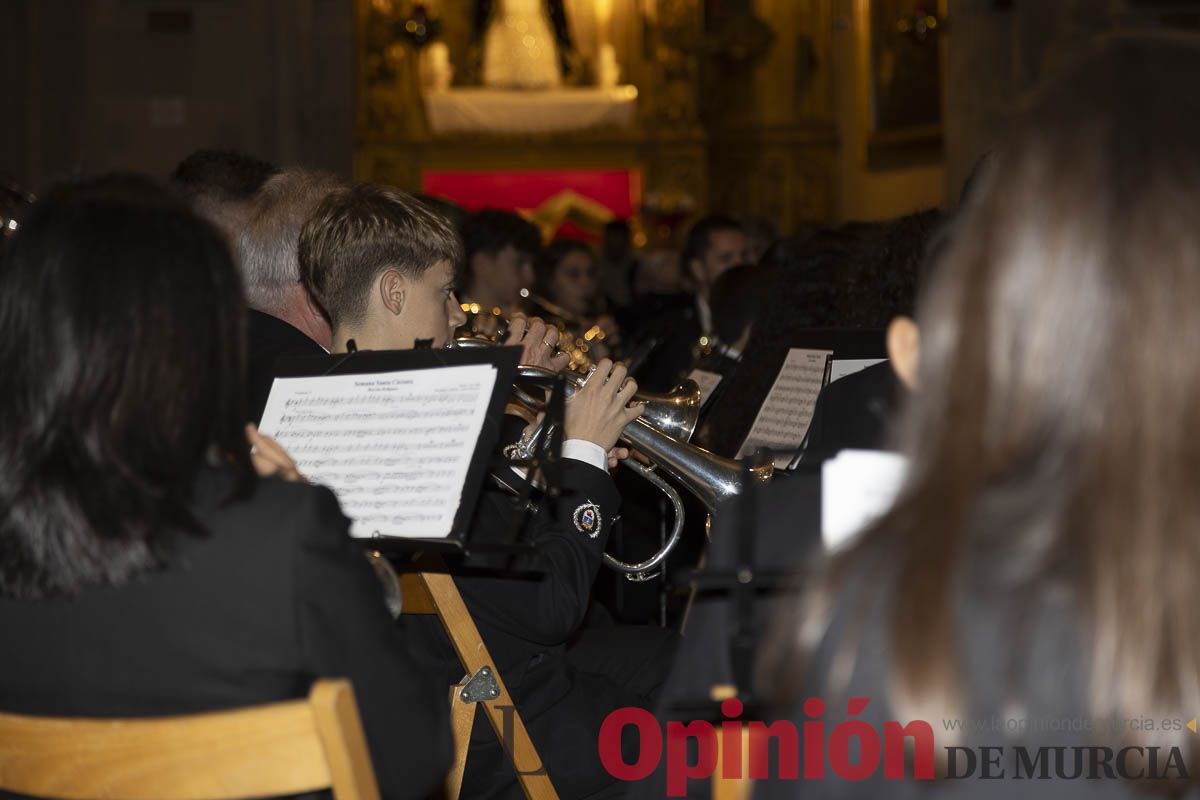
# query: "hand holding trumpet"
x,y
538,342
599,411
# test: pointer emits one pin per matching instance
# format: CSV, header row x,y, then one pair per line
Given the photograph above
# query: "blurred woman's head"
x,y
566,274
121,321
1057,421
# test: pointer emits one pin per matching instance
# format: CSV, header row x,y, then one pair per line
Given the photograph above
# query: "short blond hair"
x,y
359,231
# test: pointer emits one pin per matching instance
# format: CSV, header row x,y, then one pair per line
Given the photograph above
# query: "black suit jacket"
x,y
528,617
277,596
269,339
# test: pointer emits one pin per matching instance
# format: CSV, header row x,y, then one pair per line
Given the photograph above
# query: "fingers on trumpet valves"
x,y
516,328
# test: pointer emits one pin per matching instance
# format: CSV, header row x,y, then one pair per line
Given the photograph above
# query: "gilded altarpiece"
x,y
718,125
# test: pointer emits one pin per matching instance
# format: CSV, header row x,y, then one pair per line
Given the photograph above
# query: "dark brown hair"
x,y
358,232
1057,421
121,350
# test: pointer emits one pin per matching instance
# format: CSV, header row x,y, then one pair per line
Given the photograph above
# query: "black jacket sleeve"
x,y
569,534
345,631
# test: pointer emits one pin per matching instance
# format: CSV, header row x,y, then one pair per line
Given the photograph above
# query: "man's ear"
x,y
904,349
393,291
696,272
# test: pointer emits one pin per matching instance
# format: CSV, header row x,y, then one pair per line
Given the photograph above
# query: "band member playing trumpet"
x,y
383,266
568,293
500,248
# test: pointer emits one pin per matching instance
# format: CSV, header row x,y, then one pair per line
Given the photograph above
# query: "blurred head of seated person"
x,y
714,244
859,410
1040,560
383,265
738,295
144,570
500,250
761,233
284,319
219,185
567,276
658,273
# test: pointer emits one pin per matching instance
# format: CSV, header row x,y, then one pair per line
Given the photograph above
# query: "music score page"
x,y
782,421
395,447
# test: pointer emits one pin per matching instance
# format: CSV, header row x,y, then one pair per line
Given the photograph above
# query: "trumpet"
x,y
661,435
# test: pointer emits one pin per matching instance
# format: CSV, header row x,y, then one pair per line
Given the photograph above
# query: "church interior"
x,y
597,399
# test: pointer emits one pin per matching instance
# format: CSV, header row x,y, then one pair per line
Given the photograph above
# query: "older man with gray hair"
x,y
284,319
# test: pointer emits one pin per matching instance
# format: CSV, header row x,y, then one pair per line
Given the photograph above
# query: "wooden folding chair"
x,y
262,751
434,592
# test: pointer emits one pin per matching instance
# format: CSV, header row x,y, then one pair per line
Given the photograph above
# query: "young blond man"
x,y
383,266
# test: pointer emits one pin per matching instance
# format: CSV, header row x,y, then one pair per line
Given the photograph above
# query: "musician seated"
x,y
567,277
738,295
284,321
714,244
500,248
145,568
1001,585
383,267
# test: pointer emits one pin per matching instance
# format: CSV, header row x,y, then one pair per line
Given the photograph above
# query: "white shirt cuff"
x,y
585,451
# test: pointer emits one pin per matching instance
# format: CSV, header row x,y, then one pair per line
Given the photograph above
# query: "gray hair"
x,y
266,246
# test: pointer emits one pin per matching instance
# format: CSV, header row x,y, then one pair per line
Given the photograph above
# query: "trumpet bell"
x,y
674,413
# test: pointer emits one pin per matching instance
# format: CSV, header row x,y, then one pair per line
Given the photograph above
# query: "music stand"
x,y
365,362
427,586
756,373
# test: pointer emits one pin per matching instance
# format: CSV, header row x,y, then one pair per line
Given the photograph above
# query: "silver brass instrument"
x,y
661,434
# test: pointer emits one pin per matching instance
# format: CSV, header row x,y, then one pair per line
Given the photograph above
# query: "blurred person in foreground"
x,y
146,568
1039,563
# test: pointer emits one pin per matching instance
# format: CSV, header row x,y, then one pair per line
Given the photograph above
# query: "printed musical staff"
x,y
395,447
782,421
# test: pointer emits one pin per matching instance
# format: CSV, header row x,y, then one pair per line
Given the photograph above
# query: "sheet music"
x,y
707,381
394,446
857,486
782,421
842,367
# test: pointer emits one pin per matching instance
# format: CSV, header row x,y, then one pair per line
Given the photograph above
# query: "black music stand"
x,y
426,584
365,362
756,374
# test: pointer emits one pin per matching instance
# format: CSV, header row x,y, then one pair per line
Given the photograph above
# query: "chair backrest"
x,y
263,751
